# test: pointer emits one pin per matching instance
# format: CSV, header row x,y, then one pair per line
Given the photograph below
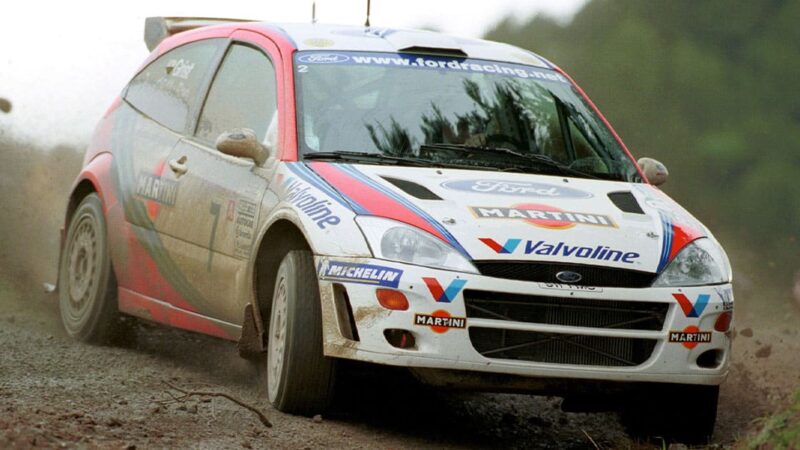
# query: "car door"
x,y
160,104
217,208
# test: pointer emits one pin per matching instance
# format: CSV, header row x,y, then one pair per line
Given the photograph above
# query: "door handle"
x,y
178,166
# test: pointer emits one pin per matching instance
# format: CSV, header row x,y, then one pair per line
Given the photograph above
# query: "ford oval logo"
x,y
323,58
516,188
568,276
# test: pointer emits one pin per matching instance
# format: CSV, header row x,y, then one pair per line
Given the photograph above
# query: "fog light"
x,y
399,338
710,359
390,299
723,322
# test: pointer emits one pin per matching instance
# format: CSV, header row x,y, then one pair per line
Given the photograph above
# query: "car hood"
x,y
494,216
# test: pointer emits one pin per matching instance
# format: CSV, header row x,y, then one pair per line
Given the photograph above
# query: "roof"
x,y
375,39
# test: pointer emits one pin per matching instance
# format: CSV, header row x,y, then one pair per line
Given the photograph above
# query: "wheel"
x,y
87,288
299,377
675,413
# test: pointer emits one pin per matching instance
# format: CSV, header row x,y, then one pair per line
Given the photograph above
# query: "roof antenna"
x,y
366,24
314,12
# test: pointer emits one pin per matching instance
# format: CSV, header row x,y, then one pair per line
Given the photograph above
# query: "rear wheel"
x,y
299,377
681,413
87,288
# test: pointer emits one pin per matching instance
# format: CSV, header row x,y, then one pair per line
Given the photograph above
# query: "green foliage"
x,y
711,88
780,431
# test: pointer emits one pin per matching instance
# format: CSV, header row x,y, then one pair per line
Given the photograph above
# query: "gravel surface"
x,y
58,393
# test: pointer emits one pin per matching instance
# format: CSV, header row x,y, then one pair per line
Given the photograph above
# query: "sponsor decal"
x,y
544,216
297,193
361,273
571,287
507,248
153,187
515,188
442,295
231,211
726,296
431,62
599,253
245,224
692,309
440,321
690,337
323,58
180,68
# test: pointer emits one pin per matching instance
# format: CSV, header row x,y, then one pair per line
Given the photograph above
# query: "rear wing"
x,y
156,29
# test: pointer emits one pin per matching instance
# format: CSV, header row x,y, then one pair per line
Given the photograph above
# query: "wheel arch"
x,y
94,178
280,236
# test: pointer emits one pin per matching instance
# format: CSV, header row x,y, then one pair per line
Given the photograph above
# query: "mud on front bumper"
x,y
477,323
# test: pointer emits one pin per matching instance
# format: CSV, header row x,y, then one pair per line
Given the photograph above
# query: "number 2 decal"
x,y
302,68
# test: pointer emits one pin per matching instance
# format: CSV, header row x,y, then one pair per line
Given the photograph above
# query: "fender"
x,y
280,213
97,174
252,341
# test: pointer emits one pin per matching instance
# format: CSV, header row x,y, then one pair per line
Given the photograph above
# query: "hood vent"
x,y
413,189
626,202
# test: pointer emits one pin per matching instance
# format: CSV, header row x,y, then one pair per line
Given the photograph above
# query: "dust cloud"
x,y
34,183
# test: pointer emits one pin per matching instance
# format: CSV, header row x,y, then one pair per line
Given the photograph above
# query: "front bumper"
x,y
682,348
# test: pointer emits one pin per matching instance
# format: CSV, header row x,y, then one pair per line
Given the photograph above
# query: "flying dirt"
x,y
54,391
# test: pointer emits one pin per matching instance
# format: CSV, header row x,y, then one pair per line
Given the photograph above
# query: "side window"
x,y
166,90
243,95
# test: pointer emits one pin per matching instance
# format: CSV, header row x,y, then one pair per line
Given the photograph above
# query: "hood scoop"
x,y
412,189
626,202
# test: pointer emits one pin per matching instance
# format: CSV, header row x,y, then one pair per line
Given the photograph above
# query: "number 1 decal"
x,y
214,211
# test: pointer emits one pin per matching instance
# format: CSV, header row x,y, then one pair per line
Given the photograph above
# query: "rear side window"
x,y
243,95
167,89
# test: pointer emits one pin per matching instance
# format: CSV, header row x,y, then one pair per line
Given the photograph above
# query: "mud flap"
x,y
252,344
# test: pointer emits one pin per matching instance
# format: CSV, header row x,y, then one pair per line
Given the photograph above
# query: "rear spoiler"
x,y
156,29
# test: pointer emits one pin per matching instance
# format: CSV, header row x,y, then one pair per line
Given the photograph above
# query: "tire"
x,y
87,291
300,379
675,413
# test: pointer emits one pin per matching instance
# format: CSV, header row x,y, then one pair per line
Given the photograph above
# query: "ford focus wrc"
x,y
454,206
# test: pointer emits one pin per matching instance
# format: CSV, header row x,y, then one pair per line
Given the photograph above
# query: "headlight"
x,y
396,241
700,263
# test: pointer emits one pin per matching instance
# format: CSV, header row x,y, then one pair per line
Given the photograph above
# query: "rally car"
x,y
454,206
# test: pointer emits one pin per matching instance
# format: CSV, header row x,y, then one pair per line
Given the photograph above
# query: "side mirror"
x,y
655,172
243,143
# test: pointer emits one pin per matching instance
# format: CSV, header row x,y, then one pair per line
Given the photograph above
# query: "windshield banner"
x,y
426,62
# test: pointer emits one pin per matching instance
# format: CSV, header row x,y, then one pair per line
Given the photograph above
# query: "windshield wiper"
x,y
545,160
378,158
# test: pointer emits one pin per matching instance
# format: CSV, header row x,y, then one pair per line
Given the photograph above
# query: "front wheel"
x,y
87,289
299,377
682,413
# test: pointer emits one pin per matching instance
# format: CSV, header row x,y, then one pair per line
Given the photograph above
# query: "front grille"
x,y
561,348
569,311
546,273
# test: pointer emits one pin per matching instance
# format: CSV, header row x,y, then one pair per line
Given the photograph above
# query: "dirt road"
x,y
55,392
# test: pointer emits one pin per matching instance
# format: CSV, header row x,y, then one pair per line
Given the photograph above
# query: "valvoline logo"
x,y
599,252
441,294
692,309
508,247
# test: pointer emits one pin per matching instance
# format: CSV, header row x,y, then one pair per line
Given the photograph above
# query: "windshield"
x,y
451,111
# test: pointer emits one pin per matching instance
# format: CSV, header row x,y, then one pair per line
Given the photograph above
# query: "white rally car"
x,y
458,207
